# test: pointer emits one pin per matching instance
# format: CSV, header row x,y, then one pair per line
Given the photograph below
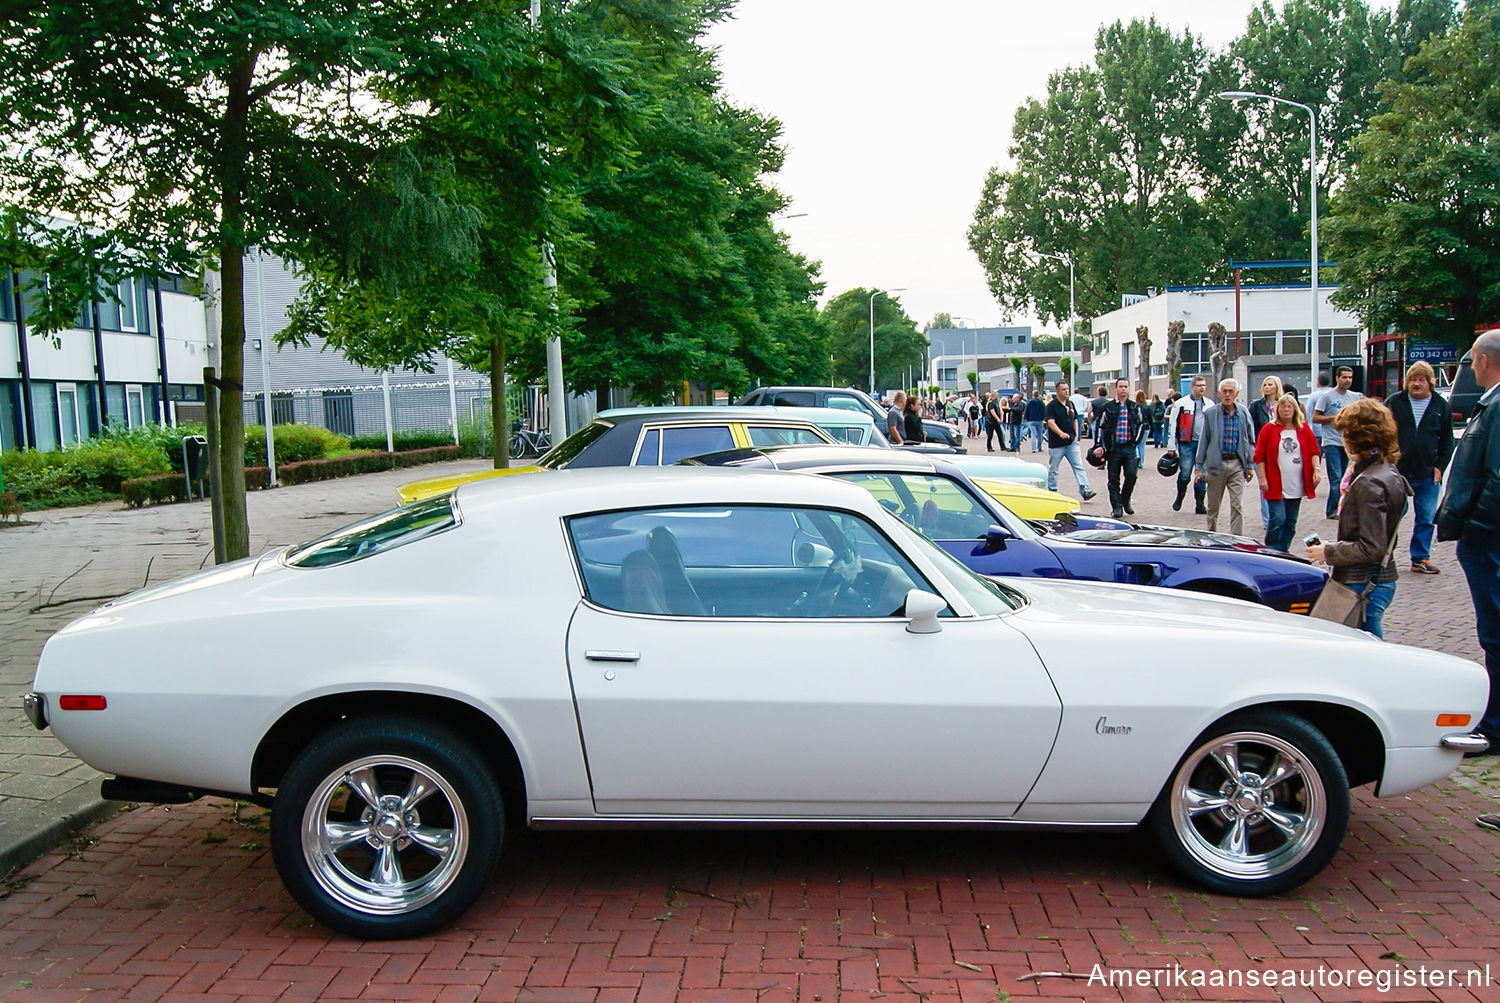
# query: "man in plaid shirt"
x,y
1120,425
1226,454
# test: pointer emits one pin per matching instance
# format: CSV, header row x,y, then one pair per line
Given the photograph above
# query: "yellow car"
x,y
659,436
1026,501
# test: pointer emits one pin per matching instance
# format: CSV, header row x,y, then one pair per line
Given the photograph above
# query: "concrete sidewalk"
x,y
59,564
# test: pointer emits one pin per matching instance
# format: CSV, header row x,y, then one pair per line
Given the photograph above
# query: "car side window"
x,y
741,561
678,442
794,398
847,403
782,435
936,507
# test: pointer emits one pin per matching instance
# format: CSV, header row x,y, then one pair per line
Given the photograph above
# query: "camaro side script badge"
x,y
1103,727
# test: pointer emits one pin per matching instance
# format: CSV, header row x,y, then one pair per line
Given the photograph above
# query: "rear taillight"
x,y
74,701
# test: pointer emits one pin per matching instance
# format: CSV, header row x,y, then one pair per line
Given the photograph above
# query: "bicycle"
x,y
524,442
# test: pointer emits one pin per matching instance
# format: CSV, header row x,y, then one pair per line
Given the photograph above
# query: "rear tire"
x,y
387,827
518,447
1257,806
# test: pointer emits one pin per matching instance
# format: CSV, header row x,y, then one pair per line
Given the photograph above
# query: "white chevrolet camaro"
x,y
699,647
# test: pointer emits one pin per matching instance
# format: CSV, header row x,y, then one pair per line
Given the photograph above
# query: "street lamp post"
x,y
1312,188
877,292
975,324
1072,303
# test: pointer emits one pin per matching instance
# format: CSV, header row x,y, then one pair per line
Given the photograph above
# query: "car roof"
x,y
813,415
592,489
803,457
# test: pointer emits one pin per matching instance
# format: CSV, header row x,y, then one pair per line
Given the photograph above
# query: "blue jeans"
x,y
1424,501
1377,601
1281,527
1482,568
1015,438
1140,453
1334,458
1075,458
1034,429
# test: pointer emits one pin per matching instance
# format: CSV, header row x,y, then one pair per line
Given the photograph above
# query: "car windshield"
x,y
985,596
377,534
565,452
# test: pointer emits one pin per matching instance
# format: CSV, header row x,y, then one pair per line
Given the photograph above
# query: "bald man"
x,y
1470,514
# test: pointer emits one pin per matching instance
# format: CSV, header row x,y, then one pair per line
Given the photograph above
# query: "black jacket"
x,y
1471,505
1109,418
1425,447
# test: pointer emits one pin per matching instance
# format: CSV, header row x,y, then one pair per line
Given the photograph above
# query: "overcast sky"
x,y
893,113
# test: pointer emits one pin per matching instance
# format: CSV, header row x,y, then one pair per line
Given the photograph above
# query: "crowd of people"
x,y
1372,461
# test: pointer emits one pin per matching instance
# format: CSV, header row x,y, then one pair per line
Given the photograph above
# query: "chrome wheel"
x,y
1248,805
385,834
387,827
1258,806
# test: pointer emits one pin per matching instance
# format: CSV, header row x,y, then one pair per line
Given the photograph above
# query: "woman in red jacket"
x,y
1286,462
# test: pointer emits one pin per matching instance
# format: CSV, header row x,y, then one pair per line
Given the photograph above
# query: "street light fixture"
x,y
899,289
1072,304
1312,187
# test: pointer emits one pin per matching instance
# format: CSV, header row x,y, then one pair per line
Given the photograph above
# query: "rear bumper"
x,y
35,706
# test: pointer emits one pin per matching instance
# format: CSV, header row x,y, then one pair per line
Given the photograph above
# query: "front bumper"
x,y
1466,744
35,706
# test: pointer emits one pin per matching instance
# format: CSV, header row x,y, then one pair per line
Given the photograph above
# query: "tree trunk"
x,y
498,419
234,146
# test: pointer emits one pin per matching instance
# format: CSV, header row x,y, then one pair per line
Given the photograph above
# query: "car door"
x,y
747,683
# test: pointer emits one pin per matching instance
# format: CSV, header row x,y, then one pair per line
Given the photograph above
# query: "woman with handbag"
x,y
1286,464
1369,513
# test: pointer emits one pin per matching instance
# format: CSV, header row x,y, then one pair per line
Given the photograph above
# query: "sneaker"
x,y
1425,567
1489,822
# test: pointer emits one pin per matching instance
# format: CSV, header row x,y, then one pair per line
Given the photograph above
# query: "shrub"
x,y
87,472
171,487
404,441
294,443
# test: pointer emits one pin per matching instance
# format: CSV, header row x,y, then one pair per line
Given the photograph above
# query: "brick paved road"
x,y
183,902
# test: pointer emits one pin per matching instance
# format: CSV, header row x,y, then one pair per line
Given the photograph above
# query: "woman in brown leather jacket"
x,y
1371,510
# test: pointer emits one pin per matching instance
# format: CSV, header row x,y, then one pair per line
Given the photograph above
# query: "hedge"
x,y
404,441
172,487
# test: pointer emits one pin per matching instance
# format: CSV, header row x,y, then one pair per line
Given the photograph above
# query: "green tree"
x,y
898,345
193,134
1104,171
1415,229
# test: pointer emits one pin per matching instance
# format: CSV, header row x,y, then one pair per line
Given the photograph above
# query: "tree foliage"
x,y
898,344
1416,230
1134,168
192,134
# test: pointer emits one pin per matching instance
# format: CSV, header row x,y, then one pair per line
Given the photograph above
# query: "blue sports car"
x,y
934,497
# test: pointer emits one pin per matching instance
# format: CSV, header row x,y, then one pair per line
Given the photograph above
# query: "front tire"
x,y
387,827
518,448
1257,806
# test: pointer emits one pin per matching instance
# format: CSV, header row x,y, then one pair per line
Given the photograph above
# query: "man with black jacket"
x,y
1470,514
1424,431
1118,428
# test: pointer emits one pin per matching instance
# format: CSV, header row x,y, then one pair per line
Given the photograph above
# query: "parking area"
x,y
183,901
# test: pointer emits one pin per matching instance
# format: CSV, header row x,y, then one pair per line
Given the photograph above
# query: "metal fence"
x,y
381,409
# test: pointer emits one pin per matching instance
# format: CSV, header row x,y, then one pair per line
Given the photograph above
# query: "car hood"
x,y
1162,536
1134,609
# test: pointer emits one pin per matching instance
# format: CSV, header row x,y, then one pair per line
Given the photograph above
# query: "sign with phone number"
x,y
1434,355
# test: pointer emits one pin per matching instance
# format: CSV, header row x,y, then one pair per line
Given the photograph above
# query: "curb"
x,y
21,842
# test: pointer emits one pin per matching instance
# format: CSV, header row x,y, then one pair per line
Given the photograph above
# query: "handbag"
x,y
1342,604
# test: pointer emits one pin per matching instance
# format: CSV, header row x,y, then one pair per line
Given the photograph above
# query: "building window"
x,y
282,410
135,406
1009,339
7,298
67,414
338,411
1263,343
1294,342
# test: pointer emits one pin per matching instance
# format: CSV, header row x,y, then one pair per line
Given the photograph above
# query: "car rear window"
x,y
377,534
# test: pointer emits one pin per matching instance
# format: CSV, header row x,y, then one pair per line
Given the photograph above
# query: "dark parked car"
x,y
935,498
1466,391
938,433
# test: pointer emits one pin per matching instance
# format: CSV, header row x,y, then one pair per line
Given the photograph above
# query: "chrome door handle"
x,y
612,656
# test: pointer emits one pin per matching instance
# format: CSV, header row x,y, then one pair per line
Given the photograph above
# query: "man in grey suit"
x,y
1226,455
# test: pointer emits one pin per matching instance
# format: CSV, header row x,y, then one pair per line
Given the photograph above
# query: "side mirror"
x,y
995,537
922,608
